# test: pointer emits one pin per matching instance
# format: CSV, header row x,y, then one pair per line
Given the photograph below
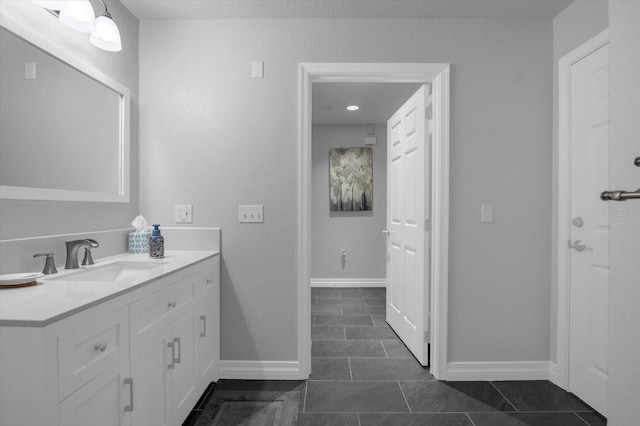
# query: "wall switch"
x,y
29,70
184,213
251,214
486,213
257,69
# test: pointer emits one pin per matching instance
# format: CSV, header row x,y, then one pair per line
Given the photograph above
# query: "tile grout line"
x,y
350,373
384,349
404,396
306,389
580,417
344,331
505,398
359,423
470,419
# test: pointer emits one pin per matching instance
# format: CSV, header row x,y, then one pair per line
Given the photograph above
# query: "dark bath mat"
x,y
251,408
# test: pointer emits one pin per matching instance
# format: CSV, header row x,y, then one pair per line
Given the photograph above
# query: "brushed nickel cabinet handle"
x,y
173,355
177,341
204,326
129,381
100,346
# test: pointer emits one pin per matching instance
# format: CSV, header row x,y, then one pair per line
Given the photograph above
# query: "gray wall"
x,y
19,219
624,244
359,233
213,137
575,25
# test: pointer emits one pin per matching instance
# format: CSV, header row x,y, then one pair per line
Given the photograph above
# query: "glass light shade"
x,y
78,15
106,36
49,4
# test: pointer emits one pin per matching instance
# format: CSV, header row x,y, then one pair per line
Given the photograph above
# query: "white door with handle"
x,y
408,234
589,235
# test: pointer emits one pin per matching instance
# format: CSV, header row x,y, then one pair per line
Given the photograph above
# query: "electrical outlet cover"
x,y
184,213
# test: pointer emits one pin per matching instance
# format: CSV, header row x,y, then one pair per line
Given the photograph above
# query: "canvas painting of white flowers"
x,y
350,179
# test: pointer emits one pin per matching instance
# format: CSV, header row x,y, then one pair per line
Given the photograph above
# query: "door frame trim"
x,y
564,201
436,74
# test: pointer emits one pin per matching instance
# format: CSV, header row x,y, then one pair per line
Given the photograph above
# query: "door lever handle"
x,y
578,245
620,195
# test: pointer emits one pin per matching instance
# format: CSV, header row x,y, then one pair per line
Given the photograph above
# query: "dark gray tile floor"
x,y
363,375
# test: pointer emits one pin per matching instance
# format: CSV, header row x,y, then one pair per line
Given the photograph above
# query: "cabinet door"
x,y
208,340
184,393
101,402
151,381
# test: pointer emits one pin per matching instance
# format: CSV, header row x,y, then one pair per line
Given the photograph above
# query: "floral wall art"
x,y
350,179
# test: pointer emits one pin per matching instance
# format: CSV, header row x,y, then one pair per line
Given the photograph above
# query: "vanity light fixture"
x,y
353,108
79,15
106,36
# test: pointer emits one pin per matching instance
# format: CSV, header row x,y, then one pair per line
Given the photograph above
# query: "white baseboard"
x,y
515,370
260,370
553,372
348,282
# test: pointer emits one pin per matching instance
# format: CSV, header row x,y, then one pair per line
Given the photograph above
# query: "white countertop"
x,y
54,298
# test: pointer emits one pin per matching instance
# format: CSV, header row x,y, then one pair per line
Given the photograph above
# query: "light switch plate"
x,y
257,69
184,213
29,70
486,213
251,214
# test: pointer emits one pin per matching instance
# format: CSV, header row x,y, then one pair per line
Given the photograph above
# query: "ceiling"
x,y
377,101
304,9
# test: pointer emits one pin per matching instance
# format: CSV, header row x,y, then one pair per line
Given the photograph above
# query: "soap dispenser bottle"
x,y
156,243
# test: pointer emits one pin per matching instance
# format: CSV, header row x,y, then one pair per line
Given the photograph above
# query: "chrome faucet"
x,y
72,251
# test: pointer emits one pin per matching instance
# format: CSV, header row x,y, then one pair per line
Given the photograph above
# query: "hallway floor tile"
x,y
363,375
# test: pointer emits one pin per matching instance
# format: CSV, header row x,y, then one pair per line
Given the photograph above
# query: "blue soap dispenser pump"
x,y
156,243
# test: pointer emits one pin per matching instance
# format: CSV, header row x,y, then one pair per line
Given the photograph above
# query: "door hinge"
x,y
427,338
427,225
428,112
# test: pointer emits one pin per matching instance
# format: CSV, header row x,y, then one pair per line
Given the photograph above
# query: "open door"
x,y
589,229
408,225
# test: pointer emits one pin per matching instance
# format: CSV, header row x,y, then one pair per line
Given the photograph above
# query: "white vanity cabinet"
x,y
143,357
167,356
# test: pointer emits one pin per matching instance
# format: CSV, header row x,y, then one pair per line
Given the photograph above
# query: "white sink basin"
x,y
110,272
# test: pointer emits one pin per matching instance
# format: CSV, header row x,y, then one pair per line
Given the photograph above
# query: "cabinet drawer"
x,y
206,284
154,312
86,350
208,281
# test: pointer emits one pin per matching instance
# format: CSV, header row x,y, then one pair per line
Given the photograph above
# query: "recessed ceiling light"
x,y
353,108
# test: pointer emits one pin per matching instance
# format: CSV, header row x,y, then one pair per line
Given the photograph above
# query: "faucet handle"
x,y
88,259
49,265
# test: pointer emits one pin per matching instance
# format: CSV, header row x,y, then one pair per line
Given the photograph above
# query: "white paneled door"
x,y
408,230
588,246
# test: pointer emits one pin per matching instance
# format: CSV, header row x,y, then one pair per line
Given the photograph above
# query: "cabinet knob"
x,y
172,304
100,346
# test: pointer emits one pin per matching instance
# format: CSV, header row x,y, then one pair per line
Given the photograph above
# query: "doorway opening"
x,y
437,76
